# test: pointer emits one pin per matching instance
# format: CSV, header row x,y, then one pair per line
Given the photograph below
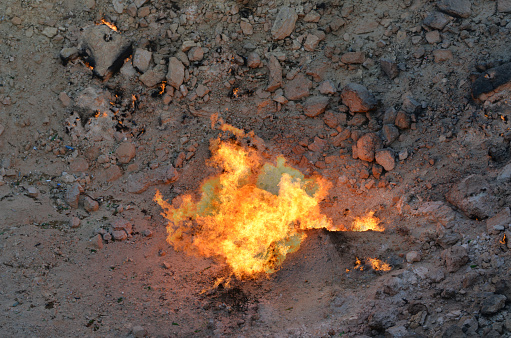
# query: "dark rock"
x,y
453,331
315,105
367,145
493,304
402,120
493,81
455,258
458,8
499,152
437,20
389,68
358,98
448,239
390,134
474,196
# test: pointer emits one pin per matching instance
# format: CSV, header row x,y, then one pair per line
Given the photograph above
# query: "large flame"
x,y
252,215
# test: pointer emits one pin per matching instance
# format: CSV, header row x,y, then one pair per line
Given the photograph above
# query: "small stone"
x,y
122,224
147,233
455,258
284,23
413,256
78,164
402,120
433,37
367,145
16,21
442,55
125,152
73,194
195,54
90,205
246,28
201,90
139,331
390,134
504,6
311,42
353,58
107,237
458,8
312,16
385,158
493,81
275,74
493,304
74,222
403,154
327,88
142,59
153,76
176,73
49,32
118,6
113,173
358,98
65,99
253,60
143,11
315,105
389,68
437,20
96,242
119,235
33,192
298,88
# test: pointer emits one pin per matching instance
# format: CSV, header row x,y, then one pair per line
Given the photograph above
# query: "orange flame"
x,y
378,265
86,64
366,223
108,24
162,87
503,240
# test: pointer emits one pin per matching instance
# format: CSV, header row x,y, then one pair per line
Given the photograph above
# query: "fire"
x,y
86,64
162,87
366,223
108,24
503,240
378,265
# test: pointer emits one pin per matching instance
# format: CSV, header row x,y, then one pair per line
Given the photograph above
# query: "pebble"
x,y
358,98
390,68
90,205
118,6
385,158
195,54
298,87
311,42
122,224
142,59
275,74
246,28
113,173
390,133
49,32
147,233
433,37
119,235
125,152
284,23
366,146
402,120
74,222
413,256
201,90
139,182
253,60
176,73
33,192
315,105
73,194
65,99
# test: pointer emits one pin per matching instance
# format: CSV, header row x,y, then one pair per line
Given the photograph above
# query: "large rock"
x,y
437,20
437,211
493,304
504,6
455,258
367,145
139,182
125,152
142,59
458,8
104,49
385,158
297,88
176,73
494,81
474,196
315,105
358,98
275,74
153,76
284,23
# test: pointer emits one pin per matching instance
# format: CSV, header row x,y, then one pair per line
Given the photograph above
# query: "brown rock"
x,y
89,204
318,145
138,183
74,222
353,58
113,173
342,136
142,59
246,28
275,74
437,20
119,235
78,164
65,99
315,105
330,119
72,196
253,60
153,76
389,68
122,224
367,145
195,54
402,120
458,8
433,37
385,158
358,98
125,152
327,88
176,73
311,42
442,55
284,23
298,87
455,258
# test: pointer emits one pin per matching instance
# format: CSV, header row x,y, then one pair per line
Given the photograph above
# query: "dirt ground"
x,y
91,127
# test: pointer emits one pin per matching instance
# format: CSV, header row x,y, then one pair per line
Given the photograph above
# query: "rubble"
x,y
358,98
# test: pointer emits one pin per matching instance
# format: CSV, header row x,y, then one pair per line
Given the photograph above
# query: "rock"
x,y
139,182
385,158
402,120
65,99
436,275
298,87
187,45
390,133
315,105
318,145
453,331
119,235
113,173
403,154
474,196
504,6
433,37
153,76
367,145
317,70
246,28
358,98
142,59
201,90
195,54
410,105
50,32
74,222
413,256
455,258
311,42
73,195
499,222
78,164
437,211
122,224
275,74
353,58
342,136
253,60
389,68
493,304
118,6
312,16
493,81
458,8
389,117
147,233
176,73
96,242
2,129
104,49
139,331
442,55
284,23
125,152
437,20
397,331
107,237
327,88
89,204
448,239
33,192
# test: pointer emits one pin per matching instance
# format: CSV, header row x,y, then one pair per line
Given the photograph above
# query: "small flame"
x,y
366,223
503,240
378,265
235,92
108,24
133,100
86,64
162,86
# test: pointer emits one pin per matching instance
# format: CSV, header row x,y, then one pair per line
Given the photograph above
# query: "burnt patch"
x,y
339,240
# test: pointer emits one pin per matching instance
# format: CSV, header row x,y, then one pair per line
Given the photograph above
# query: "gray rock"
x,y
139,331
474,196
499,222
413,256
389,117
390,133
458,8
68,54
284,23
389,67
315,105
142,59
436,275
504,6
455,258
105,49
153,76
297,88
275,74
385,158
504,174
176,73
493,304
437,20
139,182
72,196
253,60
358,98
119,235
367,145
448,239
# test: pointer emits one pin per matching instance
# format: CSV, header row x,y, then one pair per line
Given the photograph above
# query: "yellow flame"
x,y
378,265
109,25
162,87
366,223
503,240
